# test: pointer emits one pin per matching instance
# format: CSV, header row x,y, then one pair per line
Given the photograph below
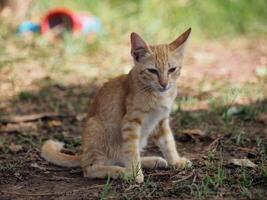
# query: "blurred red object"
x,y
62,18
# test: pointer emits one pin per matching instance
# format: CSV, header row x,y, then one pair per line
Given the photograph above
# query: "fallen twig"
x,y
131,187
29,118
243,163
17,127
184,178
160,174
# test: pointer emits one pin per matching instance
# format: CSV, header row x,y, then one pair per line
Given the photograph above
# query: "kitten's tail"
x,y
51,151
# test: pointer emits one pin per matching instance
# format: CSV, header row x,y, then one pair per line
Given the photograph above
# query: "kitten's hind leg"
x,y
102,171
152,162
94,155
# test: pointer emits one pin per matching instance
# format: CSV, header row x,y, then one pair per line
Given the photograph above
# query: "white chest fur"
x,y
152,120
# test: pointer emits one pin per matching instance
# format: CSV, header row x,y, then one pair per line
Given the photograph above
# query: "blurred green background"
x,y
238,25
162,20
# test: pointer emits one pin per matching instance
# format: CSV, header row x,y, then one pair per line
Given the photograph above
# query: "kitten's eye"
x,y
172,69
153,71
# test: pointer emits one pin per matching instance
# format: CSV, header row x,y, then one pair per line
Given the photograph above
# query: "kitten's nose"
x,y
163,84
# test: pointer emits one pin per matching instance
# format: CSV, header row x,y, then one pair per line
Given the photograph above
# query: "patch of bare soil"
x,y
232,61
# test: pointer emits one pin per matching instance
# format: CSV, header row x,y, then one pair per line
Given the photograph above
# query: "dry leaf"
x,y
15,147
54,123
262,118
194,132
81,117
191,134
243,162
35,165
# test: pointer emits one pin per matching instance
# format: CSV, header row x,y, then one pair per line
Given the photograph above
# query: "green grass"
x,y
106,190
163,20
26,96
28,139
218,179
12,166
157,21
130,177
70,142
3,145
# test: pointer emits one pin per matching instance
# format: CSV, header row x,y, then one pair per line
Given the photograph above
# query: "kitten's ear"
x,y
178,45
139,48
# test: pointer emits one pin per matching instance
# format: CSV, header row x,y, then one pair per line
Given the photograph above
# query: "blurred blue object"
x,y
29,27
91,24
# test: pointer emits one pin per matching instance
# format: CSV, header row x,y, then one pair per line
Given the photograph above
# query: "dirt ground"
x,y
209,129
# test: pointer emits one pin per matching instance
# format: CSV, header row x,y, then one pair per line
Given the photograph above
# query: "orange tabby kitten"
x,y
125,112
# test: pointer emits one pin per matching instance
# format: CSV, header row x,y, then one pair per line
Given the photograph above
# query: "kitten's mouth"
x,y
164,89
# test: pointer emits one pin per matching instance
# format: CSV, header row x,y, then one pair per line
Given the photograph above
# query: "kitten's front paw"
x,y
182,163
152,162
140,178
161,163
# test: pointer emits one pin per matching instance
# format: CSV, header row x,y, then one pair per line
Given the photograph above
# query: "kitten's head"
x,y
158,66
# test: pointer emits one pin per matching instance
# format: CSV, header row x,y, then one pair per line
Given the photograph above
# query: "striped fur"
x,y
126,111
